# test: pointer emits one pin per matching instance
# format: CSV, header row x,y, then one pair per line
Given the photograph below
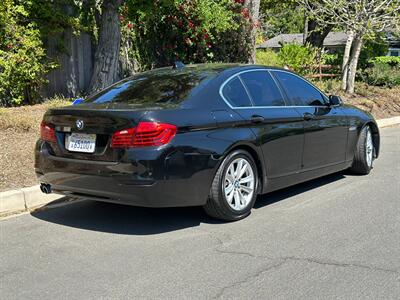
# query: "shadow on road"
x,y
279,195
123,219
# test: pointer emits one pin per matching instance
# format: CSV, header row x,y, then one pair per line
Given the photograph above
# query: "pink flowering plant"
x,y
193,31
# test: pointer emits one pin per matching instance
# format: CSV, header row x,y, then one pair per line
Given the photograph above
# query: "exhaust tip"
x,y
45,188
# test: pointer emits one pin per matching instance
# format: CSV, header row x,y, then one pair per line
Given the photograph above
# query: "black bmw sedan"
x,y
211,135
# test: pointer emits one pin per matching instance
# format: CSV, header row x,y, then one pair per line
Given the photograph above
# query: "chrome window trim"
x,y
231,78
256,107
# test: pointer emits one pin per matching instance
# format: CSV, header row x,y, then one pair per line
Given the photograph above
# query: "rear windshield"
x,y
158,87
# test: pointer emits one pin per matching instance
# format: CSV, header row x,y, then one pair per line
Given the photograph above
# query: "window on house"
x,y
394,53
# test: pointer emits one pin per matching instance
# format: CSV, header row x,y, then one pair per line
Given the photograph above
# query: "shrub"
x,y
334,59
392,61
329,86
372,47
22,56
300,59
268,58
382,74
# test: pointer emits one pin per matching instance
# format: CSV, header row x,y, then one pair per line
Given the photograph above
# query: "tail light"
x,y
144,135
47,132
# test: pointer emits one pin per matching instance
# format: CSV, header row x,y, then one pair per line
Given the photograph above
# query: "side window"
x,y
299,91
235,93
262,89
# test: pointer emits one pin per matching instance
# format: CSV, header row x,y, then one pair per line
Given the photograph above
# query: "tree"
x,y
106,60
254,11
281,16
316,29
361,18
288,16
316,32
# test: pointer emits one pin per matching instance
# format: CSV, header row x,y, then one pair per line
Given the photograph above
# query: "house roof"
x,y
332,39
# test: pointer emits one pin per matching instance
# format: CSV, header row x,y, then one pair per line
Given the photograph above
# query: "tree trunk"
x,y
346,57
355,54
305,31
254,8
106,60
317,33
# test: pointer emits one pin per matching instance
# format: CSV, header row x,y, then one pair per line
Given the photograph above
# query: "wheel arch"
x,y
257,157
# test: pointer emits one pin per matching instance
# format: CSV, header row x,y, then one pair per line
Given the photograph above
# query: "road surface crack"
x,y
312,260
221,248
343,264
249,278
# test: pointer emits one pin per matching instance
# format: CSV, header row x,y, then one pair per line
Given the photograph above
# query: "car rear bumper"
x,y
133,183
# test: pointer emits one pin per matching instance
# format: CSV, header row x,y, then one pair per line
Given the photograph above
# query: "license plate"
x,y
80,142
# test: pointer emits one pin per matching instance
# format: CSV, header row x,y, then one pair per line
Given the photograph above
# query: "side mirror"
x,y
335,100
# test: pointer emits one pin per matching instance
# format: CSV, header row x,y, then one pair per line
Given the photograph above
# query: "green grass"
x,y
57,101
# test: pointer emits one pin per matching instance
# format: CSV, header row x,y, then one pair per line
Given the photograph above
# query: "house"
x,y
394,45
334,42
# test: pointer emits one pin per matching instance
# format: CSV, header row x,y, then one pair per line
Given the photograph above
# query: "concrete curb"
x,y
388,122
31,198
25,199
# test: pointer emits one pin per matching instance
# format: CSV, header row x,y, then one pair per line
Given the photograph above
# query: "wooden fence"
x,y
76,64
333,71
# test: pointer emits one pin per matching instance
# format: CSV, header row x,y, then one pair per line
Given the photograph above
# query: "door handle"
x,y
308,116
257,119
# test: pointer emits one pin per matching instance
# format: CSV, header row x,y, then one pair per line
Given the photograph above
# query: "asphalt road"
x,y
335,237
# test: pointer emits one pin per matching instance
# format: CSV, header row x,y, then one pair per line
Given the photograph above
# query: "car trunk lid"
x,y
89,124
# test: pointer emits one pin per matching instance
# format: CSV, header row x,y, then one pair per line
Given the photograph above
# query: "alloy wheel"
x,y
369,148
239,184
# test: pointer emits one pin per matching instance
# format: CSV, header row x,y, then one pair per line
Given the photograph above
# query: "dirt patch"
x,y
382,103
16,158
19,130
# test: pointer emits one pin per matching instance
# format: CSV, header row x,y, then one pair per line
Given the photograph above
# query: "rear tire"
x,y
234,188
364,153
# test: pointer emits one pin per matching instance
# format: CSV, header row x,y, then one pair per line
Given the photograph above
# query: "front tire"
x,y
364,153
234,188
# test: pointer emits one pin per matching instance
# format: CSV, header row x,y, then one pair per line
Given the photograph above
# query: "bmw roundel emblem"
x,y
79,124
